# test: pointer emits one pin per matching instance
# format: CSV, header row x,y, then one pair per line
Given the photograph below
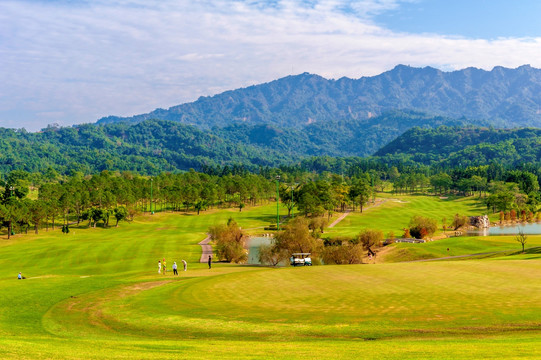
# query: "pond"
x,y
529,229
253,248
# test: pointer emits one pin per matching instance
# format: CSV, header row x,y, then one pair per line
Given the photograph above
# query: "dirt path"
x,y
206,249
346,213
340,218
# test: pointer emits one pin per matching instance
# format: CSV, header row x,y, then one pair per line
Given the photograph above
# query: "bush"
x,y
230,242
296,238
370,238
421,227
460,221
406,233
271,255
318,223
346,253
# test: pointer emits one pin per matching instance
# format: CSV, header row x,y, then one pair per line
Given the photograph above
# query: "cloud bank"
x,y
72,62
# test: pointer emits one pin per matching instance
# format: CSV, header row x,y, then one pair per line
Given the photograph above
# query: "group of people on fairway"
x,y
163,264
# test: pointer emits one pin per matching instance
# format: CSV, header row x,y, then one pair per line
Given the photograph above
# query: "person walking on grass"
x,y
210,261
175,272
185,264
164,267
159,267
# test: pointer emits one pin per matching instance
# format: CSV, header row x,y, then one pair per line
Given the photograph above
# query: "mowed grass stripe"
x,y
395,213
467,309
390,301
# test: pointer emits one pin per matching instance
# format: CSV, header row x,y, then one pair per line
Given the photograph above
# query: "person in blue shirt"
x,y
20,276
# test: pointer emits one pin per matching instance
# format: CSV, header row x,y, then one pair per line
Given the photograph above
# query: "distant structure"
x,y
480,222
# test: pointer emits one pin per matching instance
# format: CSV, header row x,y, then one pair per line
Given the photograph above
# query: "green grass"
x,y
458,246
395,213
96,294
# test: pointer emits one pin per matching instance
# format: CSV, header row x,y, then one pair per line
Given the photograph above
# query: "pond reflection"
x,y
253,248
526,228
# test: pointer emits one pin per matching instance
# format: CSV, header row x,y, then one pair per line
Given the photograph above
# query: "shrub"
x,y
230,242
296,237
271,255
460,221
406,233
421,227
346,253
318,223
370,238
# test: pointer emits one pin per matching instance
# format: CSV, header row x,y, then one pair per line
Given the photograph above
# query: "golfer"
x,y
185,264
210,261
159,267
175,272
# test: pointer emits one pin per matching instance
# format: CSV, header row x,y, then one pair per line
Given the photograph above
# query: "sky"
x,y
74,61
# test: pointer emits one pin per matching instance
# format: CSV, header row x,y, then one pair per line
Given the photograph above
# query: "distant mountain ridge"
x,y
505,97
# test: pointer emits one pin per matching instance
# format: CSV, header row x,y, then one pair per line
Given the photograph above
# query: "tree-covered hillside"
x,y
153,146
467,146
148,148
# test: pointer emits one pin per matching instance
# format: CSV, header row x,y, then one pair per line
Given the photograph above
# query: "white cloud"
x,y
124,57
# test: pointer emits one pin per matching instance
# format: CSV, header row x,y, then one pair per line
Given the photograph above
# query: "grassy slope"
x,y
95,294
395,213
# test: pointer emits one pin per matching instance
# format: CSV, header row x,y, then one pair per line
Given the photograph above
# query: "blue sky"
x,y
487,19
71,62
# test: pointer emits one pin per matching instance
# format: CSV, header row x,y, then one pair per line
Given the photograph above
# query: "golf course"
x,y
95,293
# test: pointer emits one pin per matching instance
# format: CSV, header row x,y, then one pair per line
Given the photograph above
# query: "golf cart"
x,y
300,259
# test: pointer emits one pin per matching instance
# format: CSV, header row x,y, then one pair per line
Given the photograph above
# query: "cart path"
x,y
346,213
206,249
340,218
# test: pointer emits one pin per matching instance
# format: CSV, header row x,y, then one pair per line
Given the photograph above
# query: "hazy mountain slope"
x,y
505,97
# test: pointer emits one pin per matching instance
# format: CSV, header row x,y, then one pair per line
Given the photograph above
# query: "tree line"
x,y
49,199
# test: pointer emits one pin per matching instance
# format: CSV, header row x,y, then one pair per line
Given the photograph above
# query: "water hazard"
x,y
253,248
529,229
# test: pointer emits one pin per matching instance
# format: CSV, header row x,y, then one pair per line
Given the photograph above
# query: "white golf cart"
x,y
300,259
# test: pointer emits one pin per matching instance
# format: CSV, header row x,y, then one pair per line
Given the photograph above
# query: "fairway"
x,y
394,213
96,294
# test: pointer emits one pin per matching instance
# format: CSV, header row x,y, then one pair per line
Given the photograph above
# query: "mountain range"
x,y
503,97
420,116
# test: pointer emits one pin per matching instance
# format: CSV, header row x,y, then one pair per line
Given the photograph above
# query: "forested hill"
x,y
467,146
505,97
154,146
149,147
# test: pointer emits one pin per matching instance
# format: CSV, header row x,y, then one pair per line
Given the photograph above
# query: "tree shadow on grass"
x,y
529,253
